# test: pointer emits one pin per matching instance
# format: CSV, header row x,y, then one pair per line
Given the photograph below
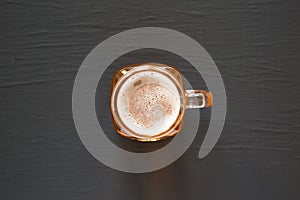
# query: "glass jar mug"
x,y
148,101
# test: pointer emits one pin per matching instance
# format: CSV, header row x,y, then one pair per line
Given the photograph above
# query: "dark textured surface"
x,y
255,44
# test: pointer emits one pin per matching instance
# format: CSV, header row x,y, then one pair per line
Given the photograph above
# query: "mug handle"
x,y
198,99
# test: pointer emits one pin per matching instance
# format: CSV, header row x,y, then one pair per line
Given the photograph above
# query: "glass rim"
x,y
137,69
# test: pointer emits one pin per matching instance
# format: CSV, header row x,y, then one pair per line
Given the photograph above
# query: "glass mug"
x,y
148,101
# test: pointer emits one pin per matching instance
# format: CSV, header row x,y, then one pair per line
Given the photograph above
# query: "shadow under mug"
x,y
170,77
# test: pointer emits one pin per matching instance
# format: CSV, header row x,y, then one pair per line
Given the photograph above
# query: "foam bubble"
x,y
148,103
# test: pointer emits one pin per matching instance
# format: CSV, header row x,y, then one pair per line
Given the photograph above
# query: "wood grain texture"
x,y
255,44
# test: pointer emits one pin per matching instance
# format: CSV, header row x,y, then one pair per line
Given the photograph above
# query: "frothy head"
x,y
148,103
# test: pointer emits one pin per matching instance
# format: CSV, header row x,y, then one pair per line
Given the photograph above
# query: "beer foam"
x,y
148,103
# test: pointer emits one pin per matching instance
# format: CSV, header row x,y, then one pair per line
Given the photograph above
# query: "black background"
x,y
255,44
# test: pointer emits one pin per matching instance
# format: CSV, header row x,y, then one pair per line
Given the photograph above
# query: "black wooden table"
x,y
255,45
